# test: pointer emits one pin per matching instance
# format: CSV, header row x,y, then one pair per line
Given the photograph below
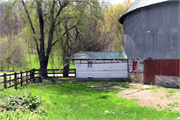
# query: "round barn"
x,y
152,30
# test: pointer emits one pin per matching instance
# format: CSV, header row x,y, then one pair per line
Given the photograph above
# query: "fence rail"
x,y
14,79
55,73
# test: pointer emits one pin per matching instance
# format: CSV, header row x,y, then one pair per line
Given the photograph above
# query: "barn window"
x,y
89,64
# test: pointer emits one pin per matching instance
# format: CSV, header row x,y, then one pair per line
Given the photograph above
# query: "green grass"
x,y
32,61
1,72
72,100
54,63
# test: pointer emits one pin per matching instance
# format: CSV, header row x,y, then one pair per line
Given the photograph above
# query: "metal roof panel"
x,y
100,55
140,4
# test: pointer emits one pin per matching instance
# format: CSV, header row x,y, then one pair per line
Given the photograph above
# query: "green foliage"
x,y
111,16
55,62
13,53
80,26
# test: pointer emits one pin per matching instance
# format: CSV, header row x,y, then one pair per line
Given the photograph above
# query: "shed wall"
x,y
153,32
101,70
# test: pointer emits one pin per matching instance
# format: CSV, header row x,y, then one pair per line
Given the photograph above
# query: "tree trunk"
x,y
43,67
66,69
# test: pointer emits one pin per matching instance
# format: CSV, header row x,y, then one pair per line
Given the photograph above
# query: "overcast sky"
x,y
117,1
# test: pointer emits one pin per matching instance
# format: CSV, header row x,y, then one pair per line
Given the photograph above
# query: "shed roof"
x,y
140,4
100,55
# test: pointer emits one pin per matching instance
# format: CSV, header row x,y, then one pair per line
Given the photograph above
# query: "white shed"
x,y
111,66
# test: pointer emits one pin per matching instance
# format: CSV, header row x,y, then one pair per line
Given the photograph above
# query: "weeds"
x,y
171,91
174,104
169,95
16,106
159,105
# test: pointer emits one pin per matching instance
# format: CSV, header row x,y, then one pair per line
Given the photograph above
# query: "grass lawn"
x,y
73,100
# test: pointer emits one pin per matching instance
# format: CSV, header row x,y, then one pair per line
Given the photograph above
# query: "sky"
x,y
117,1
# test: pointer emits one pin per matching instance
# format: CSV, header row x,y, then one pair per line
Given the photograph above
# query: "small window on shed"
x,y
89,64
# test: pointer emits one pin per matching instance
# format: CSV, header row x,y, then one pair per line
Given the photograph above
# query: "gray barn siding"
x,y
163,40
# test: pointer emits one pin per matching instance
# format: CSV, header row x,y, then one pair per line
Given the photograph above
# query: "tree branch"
x,y
65,3
29,19
64,34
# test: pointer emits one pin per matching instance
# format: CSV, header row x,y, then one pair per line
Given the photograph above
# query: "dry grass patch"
x,y
151,96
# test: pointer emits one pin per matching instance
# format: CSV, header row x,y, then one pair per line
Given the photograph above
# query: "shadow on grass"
x,y
69,86
56,80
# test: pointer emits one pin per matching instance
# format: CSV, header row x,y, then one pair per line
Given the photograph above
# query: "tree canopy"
x,y
63,27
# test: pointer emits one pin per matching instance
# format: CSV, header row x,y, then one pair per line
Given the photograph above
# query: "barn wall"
x,y
105,70
153,32
160,67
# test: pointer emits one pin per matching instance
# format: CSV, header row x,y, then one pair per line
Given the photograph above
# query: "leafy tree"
x,y
12,47
64,27
81,30
47,16
50,17
12,53
111,16
10,24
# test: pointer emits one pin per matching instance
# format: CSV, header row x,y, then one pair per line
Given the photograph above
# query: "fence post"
x,y
33,75
30,75
15,78
75,72
26,77
5,81
21,79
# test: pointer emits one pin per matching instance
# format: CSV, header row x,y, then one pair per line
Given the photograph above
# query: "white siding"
x,y
119,74
86,74
101,67
119,67
105,70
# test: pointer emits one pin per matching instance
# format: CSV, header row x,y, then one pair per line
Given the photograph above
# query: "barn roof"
x,y
100,55
140,4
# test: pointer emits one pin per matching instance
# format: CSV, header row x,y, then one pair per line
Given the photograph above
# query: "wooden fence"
x,y
14,79
55,73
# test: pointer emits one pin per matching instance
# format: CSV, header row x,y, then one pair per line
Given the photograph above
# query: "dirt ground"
x,y
151,96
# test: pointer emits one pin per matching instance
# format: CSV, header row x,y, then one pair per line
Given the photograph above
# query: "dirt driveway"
x,y
152,96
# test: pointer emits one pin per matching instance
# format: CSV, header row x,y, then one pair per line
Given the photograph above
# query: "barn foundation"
x,y
167,81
